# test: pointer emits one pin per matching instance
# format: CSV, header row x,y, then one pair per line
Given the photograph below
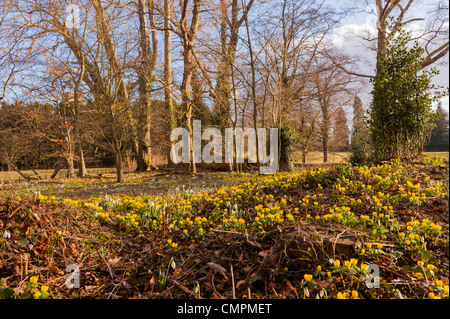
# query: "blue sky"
x,y
348,37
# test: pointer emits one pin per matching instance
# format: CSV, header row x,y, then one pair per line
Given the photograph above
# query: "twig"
x,y
232,282
184,288
107,265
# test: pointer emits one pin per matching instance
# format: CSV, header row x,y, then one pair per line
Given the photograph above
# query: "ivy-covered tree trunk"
x,y
401,114
286,163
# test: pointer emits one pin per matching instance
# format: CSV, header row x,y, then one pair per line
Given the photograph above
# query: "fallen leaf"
x,y
218,269
55,270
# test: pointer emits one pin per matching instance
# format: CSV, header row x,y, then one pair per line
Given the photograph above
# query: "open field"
x,y
341,157
315,233
312,158
46,173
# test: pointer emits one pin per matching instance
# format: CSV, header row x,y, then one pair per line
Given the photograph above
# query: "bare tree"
x,y
434,36
331,92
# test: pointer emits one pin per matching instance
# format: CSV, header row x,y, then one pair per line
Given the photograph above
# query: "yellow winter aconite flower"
x,y
328,274
44,288
34,279
354,294
341,295
419,275
37,294
174,245
308,277
364,267
319,268
347,263
430,267
420,263
439,283
336,263
379,246
446,289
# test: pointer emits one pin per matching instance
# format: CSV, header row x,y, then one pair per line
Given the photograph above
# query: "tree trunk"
x,y
71,166
325,146
119,167
55,171
168,98
189,67
81,165
144,137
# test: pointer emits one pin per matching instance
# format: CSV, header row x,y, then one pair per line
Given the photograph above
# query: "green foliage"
x,y
439,141
401,115
287,141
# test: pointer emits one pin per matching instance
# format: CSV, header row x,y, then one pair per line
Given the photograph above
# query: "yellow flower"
x,y
37,294
431,295
347,264
430,267
174,245
419,275
34,279
308,277
379,246
328,274
369,246
354,261
44,288
407,242
341,295
439,283
319,268
401,235
446,289
354,294
364,267
420,263
336,263
169,241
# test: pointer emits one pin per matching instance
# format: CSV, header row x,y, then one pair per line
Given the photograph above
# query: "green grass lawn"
x,y
341,157
46,173
311,158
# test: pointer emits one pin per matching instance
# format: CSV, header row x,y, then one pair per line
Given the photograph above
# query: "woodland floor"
x,y
315,233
